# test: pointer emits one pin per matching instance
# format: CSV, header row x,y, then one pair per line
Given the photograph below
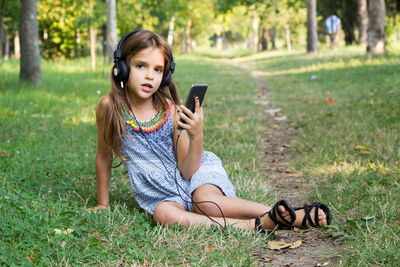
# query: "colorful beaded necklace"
x,y
151,125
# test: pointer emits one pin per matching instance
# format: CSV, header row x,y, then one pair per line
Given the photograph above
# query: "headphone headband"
x,y
121,69
117,52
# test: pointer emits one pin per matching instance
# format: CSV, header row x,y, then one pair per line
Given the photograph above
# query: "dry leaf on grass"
x,y
361,147
330,101
208,248
278,245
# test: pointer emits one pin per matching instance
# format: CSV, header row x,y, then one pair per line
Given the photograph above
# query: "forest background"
x,y
71,28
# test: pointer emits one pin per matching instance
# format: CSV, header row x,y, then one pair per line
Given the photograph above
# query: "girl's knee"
x,y
206,200
168,213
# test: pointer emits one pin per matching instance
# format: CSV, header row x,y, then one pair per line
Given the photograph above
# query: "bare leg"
x,y
242,209
170,213
232,207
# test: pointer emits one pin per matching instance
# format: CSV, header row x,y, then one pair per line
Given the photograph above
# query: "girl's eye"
x,y
158,69
139,66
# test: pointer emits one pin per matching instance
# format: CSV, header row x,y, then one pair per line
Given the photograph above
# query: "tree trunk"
x,y
111,29
272,38
30,55
17,50
249,37
376,27
93,46
224,42
288,38
255,31
92,31
1,26
171,30
362,21
264,42
6,45
312,36
187,36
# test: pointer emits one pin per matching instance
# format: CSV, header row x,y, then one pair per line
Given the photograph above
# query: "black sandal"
x,y
280,222
307,214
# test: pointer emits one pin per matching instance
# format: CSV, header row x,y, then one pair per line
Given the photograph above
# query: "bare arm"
x,y
190,146
103,159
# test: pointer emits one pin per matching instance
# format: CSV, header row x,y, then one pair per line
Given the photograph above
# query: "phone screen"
x,y
197,90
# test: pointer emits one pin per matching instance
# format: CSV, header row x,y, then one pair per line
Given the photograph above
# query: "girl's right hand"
x,y
192,122
99,207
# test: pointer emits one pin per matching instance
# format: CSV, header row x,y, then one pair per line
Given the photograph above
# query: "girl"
x,y
170,175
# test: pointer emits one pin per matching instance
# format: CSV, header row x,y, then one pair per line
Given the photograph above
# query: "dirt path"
x,y
317,248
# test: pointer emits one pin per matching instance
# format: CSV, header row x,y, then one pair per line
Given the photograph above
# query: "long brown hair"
x,y
114,121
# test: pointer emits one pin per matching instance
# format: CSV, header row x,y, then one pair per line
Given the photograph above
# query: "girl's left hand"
x,y
192,122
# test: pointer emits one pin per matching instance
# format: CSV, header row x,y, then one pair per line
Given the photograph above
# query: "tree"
x,y
362,21
376,27
30,56
2,8
111,29
312,36
92,31
9,19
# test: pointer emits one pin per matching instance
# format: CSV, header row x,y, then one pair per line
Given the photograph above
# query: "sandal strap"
x,y
307,214
275,211
327,212
272,213
258,225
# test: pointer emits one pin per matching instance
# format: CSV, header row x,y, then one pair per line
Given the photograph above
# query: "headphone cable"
x,y
192,201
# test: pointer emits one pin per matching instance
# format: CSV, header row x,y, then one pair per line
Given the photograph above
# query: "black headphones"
x,y
121,69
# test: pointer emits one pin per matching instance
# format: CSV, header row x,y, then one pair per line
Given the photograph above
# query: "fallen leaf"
x,y
330,101
296,244
63,244
3,154
275,126
208,248
278,245
29,258
240,119
361,147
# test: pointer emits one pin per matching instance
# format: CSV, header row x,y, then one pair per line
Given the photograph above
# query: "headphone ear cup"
x,y
166,79
123,71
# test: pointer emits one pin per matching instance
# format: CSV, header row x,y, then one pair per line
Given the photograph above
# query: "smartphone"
x,y
197,90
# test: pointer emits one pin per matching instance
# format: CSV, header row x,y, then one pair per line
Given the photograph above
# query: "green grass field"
x,y
345,109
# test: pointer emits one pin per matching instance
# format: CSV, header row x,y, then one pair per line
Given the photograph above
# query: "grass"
x,y
345,109
47,173
343,106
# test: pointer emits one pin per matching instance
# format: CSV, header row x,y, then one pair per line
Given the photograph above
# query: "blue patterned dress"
x,y
153,172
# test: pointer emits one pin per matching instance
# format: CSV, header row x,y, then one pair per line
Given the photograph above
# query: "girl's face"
x,y
146,73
